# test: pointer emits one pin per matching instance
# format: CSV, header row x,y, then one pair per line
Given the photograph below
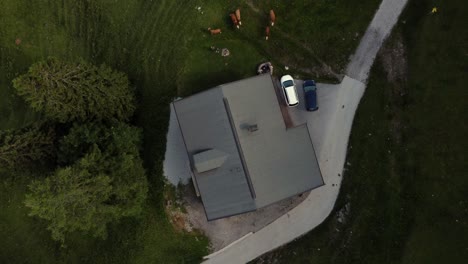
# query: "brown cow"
x,y
267,33
272,17
238,16
215,31
234,20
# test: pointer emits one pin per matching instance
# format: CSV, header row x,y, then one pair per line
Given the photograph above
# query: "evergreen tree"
x,y
76,91
115,138
73,199
86,197
21,148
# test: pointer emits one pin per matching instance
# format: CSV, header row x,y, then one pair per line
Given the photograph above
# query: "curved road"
x,y
340,103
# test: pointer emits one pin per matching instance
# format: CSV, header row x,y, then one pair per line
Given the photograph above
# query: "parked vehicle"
x,y
289,90
310,95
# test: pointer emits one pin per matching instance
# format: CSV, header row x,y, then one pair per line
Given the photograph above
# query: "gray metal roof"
x,y
281,162
264,163
204,123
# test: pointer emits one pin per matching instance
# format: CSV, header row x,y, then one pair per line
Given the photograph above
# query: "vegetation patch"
x,y
175,207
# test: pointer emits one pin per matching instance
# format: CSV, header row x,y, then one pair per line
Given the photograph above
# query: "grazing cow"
x,y
234,20
238,16
215,31
272,17
267,33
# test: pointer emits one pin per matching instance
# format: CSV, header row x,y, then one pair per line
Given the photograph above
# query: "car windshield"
x,y
309,88
288,83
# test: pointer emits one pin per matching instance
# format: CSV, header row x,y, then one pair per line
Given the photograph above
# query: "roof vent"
x,y
209,160
253,128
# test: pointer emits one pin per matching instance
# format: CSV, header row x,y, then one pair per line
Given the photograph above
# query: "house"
x,y
242,153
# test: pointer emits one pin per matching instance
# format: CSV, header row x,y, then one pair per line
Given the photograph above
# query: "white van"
x,y
289,90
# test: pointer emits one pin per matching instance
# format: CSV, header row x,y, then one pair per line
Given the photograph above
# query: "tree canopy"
x,y
115,138
104,185
76,91
100,176
20,148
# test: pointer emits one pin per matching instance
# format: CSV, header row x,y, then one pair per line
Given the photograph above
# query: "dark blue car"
x,y
310,94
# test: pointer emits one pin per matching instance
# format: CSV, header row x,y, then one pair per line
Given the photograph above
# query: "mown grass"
x,y
329,30
438,62
163,46
131,36
406,183
307,37
23,240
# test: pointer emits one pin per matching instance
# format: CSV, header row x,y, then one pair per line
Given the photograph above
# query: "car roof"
x,y
311,99
292,95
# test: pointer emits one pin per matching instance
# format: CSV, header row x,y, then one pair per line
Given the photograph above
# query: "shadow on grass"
x,y
210,80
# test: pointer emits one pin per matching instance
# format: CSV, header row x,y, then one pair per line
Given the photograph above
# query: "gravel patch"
x,y
224,231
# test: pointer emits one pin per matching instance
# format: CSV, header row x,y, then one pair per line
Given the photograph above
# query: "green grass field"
x,y
163,46
406,179
437,144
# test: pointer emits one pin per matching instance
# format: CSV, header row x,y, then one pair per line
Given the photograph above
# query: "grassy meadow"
x,y
164,47
405,182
